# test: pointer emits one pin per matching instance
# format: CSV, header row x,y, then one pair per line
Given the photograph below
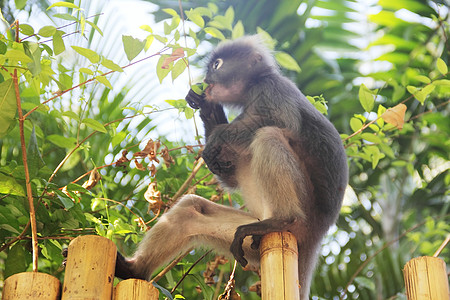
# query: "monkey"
x,y
282,154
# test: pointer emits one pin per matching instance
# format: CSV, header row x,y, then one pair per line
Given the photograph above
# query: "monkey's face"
x,y
227,80
233,68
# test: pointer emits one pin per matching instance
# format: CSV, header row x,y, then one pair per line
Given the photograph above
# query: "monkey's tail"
x,y
279,173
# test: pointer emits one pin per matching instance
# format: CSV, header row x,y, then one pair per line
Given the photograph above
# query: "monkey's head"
x,y
234,66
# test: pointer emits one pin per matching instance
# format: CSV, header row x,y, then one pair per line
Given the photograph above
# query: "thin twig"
x,y
186,183
34,240
189,270
442,246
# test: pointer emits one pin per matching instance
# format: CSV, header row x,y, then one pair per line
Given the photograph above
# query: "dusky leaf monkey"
x,y
284,156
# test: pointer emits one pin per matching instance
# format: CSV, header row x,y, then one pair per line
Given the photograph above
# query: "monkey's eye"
x,y
218,63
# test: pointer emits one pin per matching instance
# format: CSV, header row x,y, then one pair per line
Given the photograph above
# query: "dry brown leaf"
x,y
153,197
256,287
152,169
176,54
94,178
230,292
395,115
122,159
139,166
211,267
168,160
150,151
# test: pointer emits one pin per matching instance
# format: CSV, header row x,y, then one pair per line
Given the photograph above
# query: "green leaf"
x,y
20,4
199,88
214,32
287,61
178,69
8,106
370,137
196,18
88,53
229,16
26,29
132,46
8,185
188,113
364,282
62,141
35,162
72,115
203,11
86,71
103,80
411,89
16,261
93,25
111,65
238,30
423,79
442,82
160,72
94,124
441,66
58,43
67,17
366,98
170,11
47,31
18,55
63,4
148,42
118,138
423,93
355,124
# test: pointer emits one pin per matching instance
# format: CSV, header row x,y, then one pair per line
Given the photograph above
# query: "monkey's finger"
x,y
256,242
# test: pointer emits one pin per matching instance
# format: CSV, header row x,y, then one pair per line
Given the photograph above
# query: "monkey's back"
x,y
316,141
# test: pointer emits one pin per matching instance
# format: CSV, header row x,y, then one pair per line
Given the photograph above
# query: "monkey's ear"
x,y
256,59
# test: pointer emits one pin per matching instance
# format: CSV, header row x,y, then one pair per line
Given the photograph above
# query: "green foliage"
x,y
394,124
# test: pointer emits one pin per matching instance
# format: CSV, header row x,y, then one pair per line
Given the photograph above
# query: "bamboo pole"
x,y
31,285
90,268
426,279
279,267
135,289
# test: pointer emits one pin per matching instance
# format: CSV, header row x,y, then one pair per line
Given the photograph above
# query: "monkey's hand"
x,y
257,230
195,100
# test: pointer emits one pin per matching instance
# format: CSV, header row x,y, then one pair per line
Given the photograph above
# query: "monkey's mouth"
x,y
208,90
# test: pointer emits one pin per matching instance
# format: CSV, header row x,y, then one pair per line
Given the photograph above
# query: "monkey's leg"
x,y
276,188
192,222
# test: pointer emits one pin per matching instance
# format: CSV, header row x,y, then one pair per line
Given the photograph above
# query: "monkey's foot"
x,y
257,230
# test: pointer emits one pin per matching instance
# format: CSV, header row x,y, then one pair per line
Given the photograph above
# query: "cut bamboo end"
x,y
135,289
90,268
279,267
426,279
31,285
